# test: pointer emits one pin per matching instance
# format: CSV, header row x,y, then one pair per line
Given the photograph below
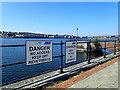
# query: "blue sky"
x,y
91,18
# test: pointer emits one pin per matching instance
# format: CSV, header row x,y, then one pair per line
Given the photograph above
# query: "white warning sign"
x,y
71,51
38,52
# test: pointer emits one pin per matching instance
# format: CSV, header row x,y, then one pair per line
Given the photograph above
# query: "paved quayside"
x,y
105,78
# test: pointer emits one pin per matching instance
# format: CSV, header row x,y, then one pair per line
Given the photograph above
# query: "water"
x,y
17,54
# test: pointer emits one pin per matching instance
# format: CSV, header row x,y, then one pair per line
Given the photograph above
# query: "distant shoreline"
x,y
50,38
34,37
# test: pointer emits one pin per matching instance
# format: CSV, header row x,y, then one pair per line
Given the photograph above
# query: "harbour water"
x,y
17,54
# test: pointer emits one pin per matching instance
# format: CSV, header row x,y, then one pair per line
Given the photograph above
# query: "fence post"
x,y
115,47
105,50
61,67
88,52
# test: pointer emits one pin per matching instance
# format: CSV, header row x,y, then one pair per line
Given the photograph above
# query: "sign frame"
x,y
65,53
40,41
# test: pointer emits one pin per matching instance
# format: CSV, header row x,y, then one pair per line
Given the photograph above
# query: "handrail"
x,y
12,64
12,45
53,43
25,62
25,45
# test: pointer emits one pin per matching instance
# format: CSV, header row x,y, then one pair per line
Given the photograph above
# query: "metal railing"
x,y
89,50
88,54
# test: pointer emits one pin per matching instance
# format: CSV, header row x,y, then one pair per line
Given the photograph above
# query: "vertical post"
x,y
77,34
89,52
105,50
115,47
61,67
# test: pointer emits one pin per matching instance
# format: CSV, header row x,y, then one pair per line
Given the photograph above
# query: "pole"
x,y
115,47
105,50
77,34
61,67
88,52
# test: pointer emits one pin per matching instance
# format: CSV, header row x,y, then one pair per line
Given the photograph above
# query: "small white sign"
x,y
71,51
38,52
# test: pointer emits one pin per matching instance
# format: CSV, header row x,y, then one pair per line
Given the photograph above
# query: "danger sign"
x,y
38,52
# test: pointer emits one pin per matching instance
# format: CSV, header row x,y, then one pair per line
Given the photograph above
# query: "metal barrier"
x,y
88,52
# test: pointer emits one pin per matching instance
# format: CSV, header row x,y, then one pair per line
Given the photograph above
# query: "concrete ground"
x,y
105,78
